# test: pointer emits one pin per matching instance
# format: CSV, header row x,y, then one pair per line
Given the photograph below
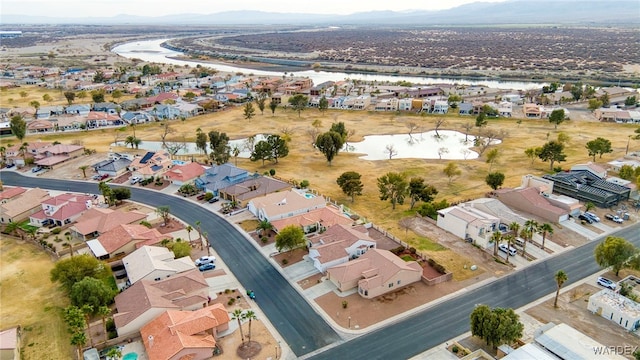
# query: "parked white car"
x,y
508,249
205,260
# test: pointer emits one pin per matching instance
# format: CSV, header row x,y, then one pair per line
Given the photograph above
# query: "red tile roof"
x,y
123,234
184,173
9,193
102,220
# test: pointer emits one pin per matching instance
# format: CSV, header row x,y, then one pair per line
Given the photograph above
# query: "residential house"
x,y
469,223
252,188
387,105
124,239
587,187
558,342
151,164
283,204
177,335
107,107
145,300
45,112
532,201
512,98
62,209
40,126
617,308
22,206
97,119
184,174
465,108
57,154
97,221
505,109
9,193
221,176
532,110
594,169
112,167
162,111
78,109
10,343
137,117
339,244
154,263
616,165
66,123
375,273
314,220
187,110
136,104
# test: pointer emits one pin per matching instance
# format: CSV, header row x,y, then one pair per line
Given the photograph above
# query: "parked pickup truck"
x,y
614,218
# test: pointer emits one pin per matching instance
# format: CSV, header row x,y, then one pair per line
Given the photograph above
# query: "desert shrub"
x,y
208,196
231,301
304,184
455,349
412,250
272,172
56,231
285,261
227,291
397,250
345,303
145,223
264,239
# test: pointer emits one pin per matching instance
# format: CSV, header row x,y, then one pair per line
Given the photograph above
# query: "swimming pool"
x,y
309,195
130,356
178,162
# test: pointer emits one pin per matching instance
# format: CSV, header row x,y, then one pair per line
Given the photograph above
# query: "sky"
x,y
107,8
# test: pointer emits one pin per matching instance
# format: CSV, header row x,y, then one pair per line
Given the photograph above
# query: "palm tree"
x,y
84,170
509,238
129,140
545,229
189,230
525,234
496,237
104,311
32,231
79,339
264,226
114,353
515,227
69,244
531,226
238,315
199,229
250,315
561,277
23,151
87,310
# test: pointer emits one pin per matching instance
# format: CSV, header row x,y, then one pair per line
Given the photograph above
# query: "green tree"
x,y
190,95
273,106
104,312
97,96
533,153
451,170
419,191
350,184
594,104
107,193
492,157
47,98
329,144
70,96
560,277
605,100
99,77
84,168
494,180
219,144
278,146
121,193
91,291
557,117
201,141
261,102
615,252
249,111
238,315
545,229
35,104
76,323
495,326
18,127
626,172
179,248
481,120
496,238
431,209
552,151
249,315
261,151
289,238
341,129
264,227
116,94
323,104
164,212
630,101
576,91
393,186
599,146
72,270
298,102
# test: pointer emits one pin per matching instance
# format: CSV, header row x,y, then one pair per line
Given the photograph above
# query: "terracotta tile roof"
x,y
184,173
347,233
167,335
102,220
177,292
29,200
60,149
122,234
327,216
10,193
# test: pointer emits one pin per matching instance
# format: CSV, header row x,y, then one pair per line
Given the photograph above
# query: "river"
x,y
151,51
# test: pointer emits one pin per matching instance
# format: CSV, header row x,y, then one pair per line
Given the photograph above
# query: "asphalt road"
x,y
305,331
442,322
302,328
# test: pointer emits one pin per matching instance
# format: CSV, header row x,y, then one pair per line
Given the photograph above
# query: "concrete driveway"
x,y
577,228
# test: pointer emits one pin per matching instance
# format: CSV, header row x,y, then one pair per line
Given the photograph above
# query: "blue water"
x,y
130,356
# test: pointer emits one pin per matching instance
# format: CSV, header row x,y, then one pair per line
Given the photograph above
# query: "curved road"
x,y
305,331
302,328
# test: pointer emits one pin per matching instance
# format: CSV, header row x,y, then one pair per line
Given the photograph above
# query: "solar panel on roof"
x,y
146,157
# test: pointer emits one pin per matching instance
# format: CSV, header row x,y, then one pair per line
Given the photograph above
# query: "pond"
x,y
449,145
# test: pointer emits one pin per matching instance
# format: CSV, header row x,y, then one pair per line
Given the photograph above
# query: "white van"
x,y
520,241
508,249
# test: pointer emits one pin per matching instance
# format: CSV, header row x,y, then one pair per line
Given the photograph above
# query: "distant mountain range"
x,y
561,12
